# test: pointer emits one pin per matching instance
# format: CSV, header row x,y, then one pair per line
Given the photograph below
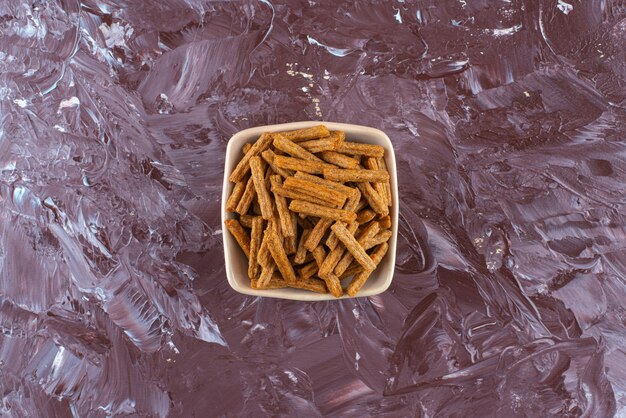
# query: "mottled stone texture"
x,y
509,125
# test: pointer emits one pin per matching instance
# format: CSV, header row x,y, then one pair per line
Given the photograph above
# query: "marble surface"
x,y
509,124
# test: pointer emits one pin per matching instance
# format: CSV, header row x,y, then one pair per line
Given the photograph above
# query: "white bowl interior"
x,y
236,261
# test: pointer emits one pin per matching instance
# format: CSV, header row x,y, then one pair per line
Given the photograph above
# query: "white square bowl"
x,y
235,260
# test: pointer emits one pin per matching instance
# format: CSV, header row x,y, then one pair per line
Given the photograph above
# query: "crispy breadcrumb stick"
x,y
340,160
353,246
385,222
382,236
301,250
333,284
326,183
351,204
312,209
382,165
373,198
317,233
268,156
365,236
286,221
280,257
256,236
355,148
260,187
246,199
360,278
297,164
316,190
235,196
358,175
293,149
240,235
297,195
243,167
365,216
308,270
323,144
318,131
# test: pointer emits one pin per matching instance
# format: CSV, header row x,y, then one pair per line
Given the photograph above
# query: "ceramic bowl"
x,y
236,262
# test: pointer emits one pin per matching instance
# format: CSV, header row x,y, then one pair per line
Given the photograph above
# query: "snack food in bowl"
x,y
310,211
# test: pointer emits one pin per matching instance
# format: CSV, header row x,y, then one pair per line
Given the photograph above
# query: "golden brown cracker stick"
x,y
246,221
297,164
373,198
353,246
385,222
256,236
246,199
317,233
362,205
352,270
246,148
340,160
335,255
351,204
371,163
301,250
294,224
316,190
268,156
382,165
291,245
338,136
235,196
293,149
274,224
358,175
365,216
365,236
331,261
268,173
297,195
240,235
320,145
312,284
260,187
312,209
264,258
381,237
266,274
291,242
280,257
272,284
355,148
319,254
322,182
308,270
286,221
243,167
333,284
298,135
354,197
360,278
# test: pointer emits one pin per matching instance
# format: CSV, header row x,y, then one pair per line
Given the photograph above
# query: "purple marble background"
x,y
509,123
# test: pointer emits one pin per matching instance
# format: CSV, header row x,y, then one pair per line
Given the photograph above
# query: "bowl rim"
x,y
296,294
